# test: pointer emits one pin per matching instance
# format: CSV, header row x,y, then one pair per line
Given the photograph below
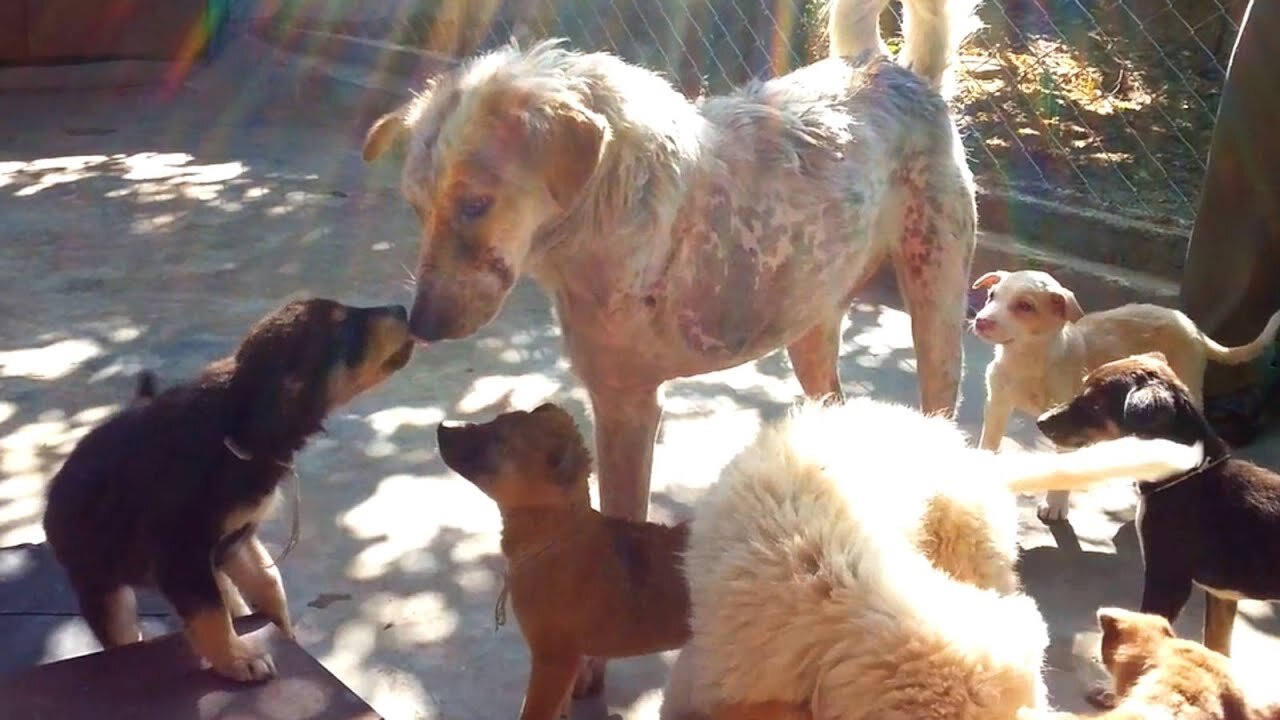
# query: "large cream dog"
x,y
678,238
857,562
1046,344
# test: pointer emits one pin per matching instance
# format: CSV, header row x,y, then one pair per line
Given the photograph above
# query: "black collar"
x,y
1150,488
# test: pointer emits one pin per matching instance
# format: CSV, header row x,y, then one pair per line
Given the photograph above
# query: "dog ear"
x,y
569,146
1145,404
264,397
393,126
569,462
1155,356
385,131
988,279
1065,305
1110,621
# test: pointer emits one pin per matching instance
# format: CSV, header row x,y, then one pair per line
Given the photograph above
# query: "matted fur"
x,y
874,581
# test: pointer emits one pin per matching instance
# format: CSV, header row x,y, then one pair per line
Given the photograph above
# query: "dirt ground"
x,y
150,228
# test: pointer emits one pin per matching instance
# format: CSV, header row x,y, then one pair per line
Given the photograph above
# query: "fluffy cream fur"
x,y
859,560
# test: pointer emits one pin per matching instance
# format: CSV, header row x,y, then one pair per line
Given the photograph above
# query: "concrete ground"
x,y
149,228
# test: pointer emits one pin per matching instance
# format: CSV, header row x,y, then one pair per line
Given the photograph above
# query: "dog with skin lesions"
x,y
679,237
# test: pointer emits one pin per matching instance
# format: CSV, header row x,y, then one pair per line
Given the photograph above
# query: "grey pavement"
x,y
150,227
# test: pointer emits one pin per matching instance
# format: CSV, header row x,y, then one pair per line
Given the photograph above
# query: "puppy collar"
x,y
1146,489
295,523
235,449
500,605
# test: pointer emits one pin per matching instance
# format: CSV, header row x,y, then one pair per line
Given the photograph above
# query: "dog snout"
x,y
433,318
984,324
460,446
1055,423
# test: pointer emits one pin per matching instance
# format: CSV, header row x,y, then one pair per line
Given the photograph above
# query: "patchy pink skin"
x,y
756,238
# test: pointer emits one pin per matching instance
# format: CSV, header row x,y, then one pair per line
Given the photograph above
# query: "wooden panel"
x,y
103,29
161,680
13,30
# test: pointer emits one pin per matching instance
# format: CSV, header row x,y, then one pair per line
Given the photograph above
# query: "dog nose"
x,y
1050,420
983,324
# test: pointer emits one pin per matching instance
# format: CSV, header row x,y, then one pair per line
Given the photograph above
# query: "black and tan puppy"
x,y
169,492
1217,526
580,583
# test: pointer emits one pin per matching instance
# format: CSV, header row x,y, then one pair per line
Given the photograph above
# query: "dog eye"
x,y
1023,306
474,208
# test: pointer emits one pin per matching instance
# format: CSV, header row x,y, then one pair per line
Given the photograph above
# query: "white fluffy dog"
x,y
857,561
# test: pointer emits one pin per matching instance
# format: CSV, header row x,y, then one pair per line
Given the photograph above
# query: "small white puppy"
x,y
1045,345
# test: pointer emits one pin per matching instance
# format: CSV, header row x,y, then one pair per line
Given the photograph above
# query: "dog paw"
x,y
244,664
1101,696
590,679
283,623
1054,508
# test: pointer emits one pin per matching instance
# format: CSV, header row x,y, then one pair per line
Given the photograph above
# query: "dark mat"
x,y
161,678
39,618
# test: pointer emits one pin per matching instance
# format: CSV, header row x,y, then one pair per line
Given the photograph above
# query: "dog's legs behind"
x,y
232,597
112,614
550,680
815,360
1164,592
931,258
1219,619
626,420
995,417
254,573
188,581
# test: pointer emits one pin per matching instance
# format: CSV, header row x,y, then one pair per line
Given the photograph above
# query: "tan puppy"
x,y
1045,345
1157,675
580,582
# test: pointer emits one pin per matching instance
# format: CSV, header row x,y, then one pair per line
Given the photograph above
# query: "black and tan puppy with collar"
x,y
169,492
1216,526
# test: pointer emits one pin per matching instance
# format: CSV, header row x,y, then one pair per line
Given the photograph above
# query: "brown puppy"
x,y
169,492
1216,527
581,583
1157,675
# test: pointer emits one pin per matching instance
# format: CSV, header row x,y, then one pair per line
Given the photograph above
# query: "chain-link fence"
x,y
1107,104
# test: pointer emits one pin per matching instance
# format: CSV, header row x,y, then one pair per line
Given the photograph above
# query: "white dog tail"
x,y
933,32
1243,353
1139,459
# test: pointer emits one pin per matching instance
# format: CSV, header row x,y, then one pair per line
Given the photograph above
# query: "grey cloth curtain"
x,y
1229,284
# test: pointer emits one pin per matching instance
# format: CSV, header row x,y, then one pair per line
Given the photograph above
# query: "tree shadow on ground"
x,y
157,242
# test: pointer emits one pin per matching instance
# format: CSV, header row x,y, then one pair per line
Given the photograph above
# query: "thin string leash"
x,y
295,520
500,605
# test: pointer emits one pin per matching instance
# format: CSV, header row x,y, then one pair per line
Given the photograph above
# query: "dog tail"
x,y
1243,353
1141,459
146,389
1267,712
933,32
